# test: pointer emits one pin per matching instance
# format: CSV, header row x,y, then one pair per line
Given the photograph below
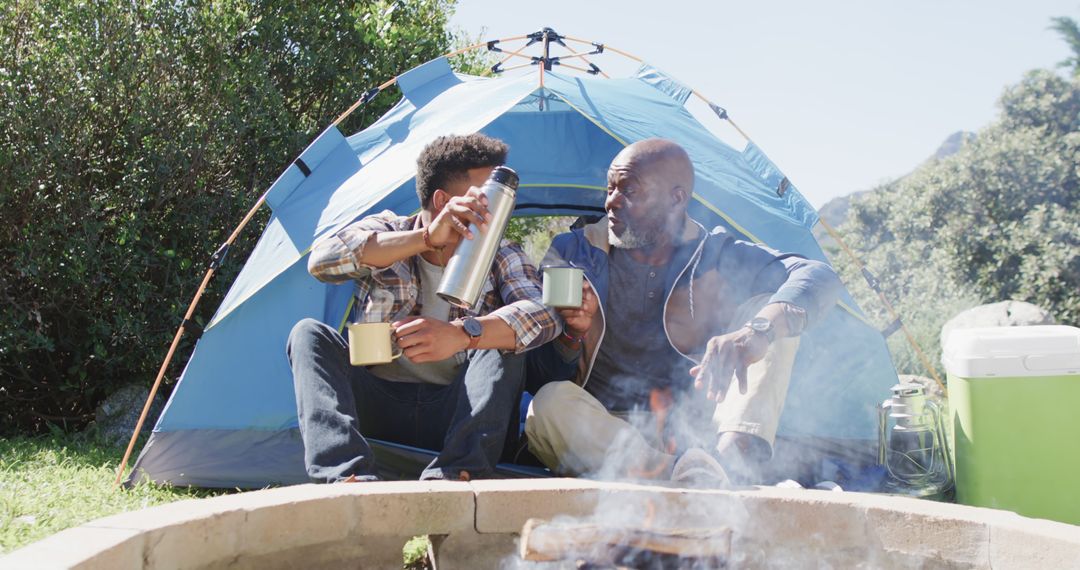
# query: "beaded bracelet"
x,y
427,240
573,339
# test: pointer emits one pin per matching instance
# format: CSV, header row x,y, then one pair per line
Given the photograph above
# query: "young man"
x,y
460,376
679,308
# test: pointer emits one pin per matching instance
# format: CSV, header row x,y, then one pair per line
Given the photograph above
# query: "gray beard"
x,y
631,239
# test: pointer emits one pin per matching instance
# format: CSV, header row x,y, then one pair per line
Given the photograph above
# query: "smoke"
x,y
635,499
628,459
648,445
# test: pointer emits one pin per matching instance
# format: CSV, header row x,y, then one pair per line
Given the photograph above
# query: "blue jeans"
x,y
466,421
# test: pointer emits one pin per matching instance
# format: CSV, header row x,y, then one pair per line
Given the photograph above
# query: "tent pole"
x,y
586,60
606,47
482,44
726,118
888,306
545,62
509,55
179,334
365,98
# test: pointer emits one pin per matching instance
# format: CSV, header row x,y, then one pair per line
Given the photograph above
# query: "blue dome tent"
x,y
231,419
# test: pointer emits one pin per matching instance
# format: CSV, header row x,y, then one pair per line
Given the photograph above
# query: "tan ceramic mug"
x,y
371,343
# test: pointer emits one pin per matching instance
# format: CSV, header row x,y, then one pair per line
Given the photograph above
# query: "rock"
x,y
1003,314
116,417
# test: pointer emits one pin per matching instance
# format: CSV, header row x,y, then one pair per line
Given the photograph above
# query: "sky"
x,y
842,95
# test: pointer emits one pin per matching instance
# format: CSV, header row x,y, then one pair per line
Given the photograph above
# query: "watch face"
x,y
472,327
763,326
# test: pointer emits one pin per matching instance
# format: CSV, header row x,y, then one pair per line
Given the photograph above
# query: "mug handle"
x,y
394,346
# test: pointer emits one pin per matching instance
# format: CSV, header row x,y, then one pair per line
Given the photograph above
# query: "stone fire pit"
x,y
365,525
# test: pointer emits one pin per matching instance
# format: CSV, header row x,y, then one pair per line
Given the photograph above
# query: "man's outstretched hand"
x,y
726,356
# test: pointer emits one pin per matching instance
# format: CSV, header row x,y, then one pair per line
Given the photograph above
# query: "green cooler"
x,y
1014,400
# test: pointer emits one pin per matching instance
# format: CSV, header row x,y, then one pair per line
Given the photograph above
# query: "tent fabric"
x,y
206,458
231,420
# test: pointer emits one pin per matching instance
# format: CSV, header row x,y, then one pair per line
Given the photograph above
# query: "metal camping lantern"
x,y
914,451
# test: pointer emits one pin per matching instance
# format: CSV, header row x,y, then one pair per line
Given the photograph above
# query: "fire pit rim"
x,y
203,532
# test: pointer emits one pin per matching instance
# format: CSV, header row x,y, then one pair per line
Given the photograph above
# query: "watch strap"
x,y
473,340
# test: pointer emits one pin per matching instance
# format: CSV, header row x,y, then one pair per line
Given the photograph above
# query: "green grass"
x,y
54,482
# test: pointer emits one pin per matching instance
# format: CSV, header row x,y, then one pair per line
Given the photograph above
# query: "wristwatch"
x,y
761,325
474,329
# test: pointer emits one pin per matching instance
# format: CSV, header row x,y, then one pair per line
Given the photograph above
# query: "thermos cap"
x,y
504,175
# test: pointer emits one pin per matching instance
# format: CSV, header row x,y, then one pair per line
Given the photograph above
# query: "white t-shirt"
x,y
442,372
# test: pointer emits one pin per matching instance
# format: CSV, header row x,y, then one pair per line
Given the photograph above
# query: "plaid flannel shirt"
x,y
512,291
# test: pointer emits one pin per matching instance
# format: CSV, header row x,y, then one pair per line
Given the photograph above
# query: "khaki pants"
x,y
572,433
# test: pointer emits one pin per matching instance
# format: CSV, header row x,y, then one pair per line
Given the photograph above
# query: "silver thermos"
x,y
470,265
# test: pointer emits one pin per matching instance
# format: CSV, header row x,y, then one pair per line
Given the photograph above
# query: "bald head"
x,y
660,158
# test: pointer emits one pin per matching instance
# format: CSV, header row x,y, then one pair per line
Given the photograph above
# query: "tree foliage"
x,y
133,138
1070,32
998,220
535,233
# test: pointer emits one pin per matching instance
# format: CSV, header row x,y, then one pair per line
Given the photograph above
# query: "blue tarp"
x,y
231,420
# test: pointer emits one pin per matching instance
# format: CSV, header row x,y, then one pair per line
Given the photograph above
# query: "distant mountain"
x,y
835,211
953,143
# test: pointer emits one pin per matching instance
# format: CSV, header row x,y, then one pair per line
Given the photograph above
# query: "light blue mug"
x,y
562,286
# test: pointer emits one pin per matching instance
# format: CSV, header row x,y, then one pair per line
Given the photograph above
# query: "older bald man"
x,y
673,315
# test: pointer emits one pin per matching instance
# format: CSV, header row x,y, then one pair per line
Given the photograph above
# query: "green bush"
x,y
133,138
998,220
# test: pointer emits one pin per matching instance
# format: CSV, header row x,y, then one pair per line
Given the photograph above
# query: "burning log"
x,y
597,546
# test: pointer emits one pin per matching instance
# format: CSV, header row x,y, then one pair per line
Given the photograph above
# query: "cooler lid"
x,y
989,352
